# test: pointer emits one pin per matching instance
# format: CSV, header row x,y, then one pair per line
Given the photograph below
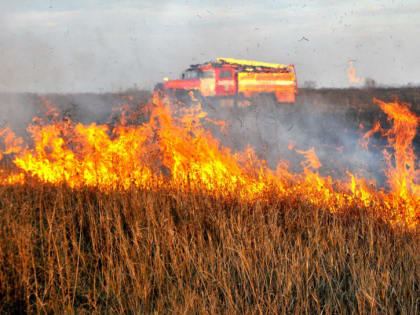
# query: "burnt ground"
x,y
329,120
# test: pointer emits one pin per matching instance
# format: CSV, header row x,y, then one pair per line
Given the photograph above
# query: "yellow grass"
x,y
64,250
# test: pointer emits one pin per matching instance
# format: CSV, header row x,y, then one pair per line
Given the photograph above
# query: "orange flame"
x,y
174,150
311,161
403,172
11,143
351,74
364,142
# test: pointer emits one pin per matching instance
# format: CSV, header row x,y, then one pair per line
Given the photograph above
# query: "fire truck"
x,y
235,78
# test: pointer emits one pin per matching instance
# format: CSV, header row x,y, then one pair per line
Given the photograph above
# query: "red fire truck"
x,y
228,77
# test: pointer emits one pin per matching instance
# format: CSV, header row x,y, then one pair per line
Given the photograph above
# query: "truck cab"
x,y
207,80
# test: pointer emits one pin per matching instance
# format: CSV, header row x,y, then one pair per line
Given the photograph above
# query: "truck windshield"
x,y
191,74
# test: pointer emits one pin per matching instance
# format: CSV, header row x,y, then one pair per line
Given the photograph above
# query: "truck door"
x,y
225,82
207,83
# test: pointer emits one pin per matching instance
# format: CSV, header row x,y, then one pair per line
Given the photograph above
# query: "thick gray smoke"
x,y
276,131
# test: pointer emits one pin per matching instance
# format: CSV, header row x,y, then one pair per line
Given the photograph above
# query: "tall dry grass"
x,y
84,251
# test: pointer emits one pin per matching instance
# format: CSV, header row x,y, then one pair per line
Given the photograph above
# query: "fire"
x,y
312,161
364,142
403,173
351,74
173,150
11,143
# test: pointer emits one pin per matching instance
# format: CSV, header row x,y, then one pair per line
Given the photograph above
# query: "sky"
x,y
111,45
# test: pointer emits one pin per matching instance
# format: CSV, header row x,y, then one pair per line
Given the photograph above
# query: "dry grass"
x,y
66,250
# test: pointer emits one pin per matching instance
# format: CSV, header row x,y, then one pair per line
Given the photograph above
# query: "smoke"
x,y
17,111
276,131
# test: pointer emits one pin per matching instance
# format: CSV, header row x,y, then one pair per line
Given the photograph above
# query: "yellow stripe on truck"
x,y
251,63
265,82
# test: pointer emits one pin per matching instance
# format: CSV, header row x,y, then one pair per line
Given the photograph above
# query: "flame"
x,y
11,143
351,74
364,142
402,173
311,160
173,150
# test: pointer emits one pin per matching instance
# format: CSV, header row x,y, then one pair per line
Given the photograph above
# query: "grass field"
x,y
139,251
172,248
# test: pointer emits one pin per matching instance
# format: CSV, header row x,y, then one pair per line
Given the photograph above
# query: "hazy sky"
x,y
103,45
